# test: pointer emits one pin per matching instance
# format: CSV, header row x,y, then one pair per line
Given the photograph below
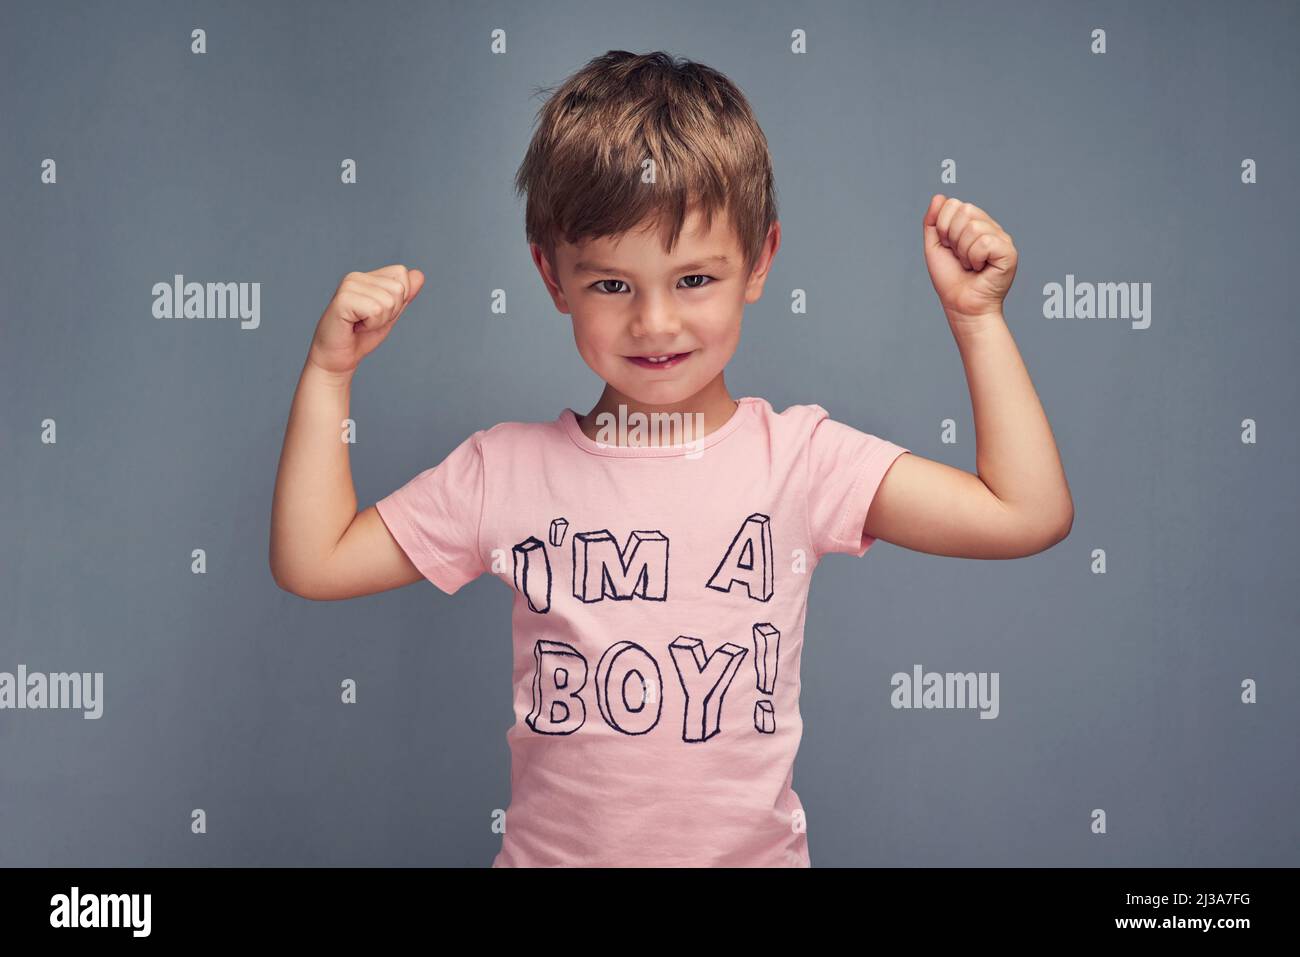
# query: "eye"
x,y
599,285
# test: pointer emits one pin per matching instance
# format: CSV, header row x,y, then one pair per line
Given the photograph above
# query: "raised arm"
x,y
1019,503
320,547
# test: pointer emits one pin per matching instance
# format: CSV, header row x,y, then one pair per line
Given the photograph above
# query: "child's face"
x,y
630,300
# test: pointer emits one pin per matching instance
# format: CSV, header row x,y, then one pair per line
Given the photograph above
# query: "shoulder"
x,y
809,432
506,437
792,422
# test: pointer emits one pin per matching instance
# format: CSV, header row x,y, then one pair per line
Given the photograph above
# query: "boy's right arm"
x,y
321,547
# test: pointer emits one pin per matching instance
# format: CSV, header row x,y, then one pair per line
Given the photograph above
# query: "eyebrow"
x,y
584,266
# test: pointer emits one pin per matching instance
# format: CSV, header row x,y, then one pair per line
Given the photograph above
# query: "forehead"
x,y
715,246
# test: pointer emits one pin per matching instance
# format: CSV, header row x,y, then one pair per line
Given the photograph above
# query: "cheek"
x,y
721,330
593,338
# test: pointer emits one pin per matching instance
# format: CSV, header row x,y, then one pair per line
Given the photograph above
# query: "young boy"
x,y
660,586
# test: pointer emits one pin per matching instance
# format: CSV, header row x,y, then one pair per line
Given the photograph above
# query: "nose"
x,y
655,317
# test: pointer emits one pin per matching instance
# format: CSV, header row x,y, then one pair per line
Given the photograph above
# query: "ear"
x,y
754,285
549,277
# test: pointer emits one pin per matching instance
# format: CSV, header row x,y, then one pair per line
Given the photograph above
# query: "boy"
x,y
660,586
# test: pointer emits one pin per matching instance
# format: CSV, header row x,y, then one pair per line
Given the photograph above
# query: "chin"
x,y
662,393
659,395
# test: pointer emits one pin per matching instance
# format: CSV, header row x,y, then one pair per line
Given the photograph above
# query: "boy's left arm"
x,y
1019,502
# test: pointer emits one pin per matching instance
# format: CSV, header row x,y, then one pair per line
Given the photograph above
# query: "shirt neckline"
x,y
568,420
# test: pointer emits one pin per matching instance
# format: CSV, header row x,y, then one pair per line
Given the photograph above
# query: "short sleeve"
x,y
435,517
845,468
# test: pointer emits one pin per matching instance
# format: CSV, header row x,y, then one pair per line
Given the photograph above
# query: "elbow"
x,y
312,588
303,577
1064,521
275,562
1057,530
300,590
281,580
286,573
1038,533
288,582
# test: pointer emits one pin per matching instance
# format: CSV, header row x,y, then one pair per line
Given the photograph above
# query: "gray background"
x,y
1118,691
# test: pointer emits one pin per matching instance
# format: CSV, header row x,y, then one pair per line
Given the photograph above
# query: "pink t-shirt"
x,y
659,600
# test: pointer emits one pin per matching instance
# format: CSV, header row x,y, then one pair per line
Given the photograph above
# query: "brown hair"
x,y
583,168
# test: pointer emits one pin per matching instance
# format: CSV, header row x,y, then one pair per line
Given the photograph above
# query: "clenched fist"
x,y
360,315
971,258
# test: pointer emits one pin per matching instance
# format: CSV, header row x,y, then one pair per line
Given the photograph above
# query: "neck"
x,y
714,402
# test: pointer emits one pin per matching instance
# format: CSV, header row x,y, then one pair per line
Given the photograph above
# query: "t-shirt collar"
x,y
568,421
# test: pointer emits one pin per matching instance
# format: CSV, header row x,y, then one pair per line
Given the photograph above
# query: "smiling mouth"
x,y
665,361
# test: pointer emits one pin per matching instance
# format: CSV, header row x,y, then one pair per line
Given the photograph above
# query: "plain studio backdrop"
x,y
1119,691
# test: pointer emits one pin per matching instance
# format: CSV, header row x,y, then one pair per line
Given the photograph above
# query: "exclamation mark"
x,y
767,650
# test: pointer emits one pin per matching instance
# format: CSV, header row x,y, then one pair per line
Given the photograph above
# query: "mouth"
x,y
668,360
